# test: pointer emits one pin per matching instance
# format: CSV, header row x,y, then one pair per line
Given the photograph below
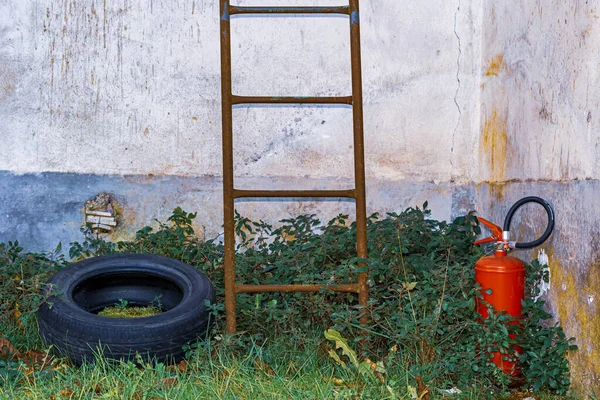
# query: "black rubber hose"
x,y
549,228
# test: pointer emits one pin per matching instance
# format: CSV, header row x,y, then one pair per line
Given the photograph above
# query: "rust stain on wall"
x,y
497,190
494,145
578,307
496,65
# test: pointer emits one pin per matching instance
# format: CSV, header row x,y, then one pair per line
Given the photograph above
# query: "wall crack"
x,y
456,94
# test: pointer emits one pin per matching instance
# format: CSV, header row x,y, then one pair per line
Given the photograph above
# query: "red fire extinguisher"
x,y
505,275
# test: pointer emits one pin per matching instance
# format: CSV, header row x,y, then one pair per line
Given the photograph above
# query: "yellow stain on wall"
x,y
578,308
496,66
497,191
494,145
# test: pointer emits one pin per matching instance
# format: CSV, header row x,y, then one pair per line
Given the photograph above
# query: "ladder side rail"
x,y
228,190
359,156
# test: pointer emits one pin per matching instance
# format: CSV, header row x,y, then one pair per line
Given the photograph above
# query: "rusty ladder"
x,y
230,193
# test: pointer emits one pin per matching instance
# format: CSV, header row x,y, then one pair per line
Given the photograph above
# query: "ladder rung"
x,y
347,288
349,193
290,100
289,10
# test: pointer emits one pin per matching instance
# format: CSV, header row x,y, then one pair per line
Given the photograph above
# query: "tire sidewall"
x,y
63,321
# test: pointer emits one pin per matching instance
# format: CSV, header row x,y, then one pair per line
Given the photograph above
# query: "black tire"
x,y
68,320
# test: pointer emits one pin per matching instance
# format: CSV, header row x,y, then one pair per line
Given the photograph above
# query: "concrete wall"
x,y
133,88
469,104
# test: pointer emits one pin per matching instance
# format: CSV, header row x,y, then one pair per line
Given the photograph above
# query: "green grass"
x,y
280,370
224,368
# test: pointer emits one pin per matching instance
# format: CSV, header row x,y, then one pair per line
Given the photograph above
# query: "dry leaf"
x,y
7,350
137,396
36,357
182,366
337,381
169,382
66,393
97,388
17,315
422,389
28,372
264,367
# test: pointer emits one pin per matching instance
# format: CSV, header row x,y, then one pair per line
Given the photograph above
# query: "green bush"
x,y
422,292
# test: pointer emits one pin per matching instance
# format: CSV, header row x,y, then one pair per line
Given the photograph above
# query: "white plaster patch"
x,y
542,257
543,286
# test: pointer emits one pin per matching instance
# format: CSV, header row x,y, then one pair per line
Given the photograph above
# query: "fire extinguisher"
x,y
502,277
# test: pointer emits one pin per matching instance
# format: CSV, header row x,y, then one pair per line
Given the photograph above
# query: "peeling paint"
x,y
225,16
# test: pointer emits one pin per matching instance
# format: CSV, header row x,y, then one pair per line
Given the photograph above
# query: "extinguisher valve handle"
x,y
497,233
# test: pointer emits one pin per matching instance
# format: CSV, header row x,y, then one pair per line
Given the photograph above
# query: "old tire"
x,y
69,322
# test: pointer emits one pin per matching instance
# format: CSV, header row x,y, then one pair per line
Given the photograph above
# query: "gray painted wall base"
x,y
41,210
